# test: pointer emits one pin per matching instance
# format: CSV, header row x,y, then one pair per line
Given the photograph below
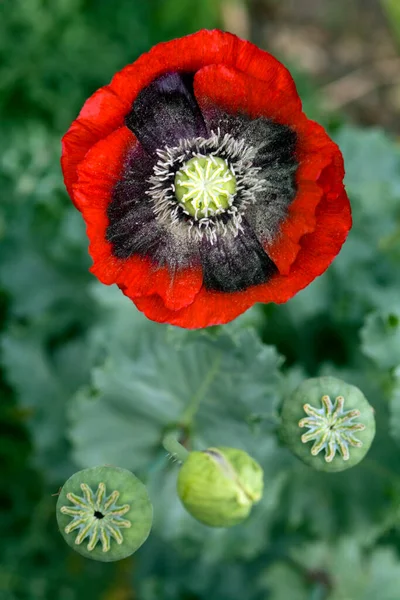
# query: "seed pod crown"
x,y
104,513
328,424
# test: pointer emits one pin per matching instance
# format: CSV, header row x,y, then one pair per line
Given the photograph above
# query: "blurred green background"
x,y
86,380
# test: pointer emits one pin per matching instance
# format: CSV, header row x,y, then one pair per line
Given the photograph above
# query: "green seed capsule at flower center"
x,y
205,186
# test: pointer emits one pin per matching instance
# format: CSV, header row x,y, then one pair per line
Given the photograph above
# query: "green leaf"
x,y
43,249
43,381
365,269
147,383
218,387
352,573
342,570
169,574
282,582
380,338
395,405
372,162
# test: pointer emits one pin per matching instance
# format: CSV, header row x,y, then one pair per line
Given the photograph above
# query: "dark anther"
x,y
98,514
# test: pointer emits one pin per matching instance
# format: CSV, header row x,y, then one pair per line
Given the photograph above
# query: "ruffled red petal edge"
x,y
105,110
97,175
236,92
318,249
319,217
318,220
180,299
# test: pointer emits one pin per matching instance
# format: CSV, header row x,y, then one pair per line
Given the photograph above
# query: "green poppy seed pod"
x,y
328,424
219,486
104,513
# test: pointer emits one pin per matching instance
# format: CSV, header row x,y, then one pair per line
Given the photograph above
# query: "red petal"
x,y
192,52
212,308
137,276
316,153
101,114
208,308
236,92
176,290
316,252
242,78
187,54
105,110
260,64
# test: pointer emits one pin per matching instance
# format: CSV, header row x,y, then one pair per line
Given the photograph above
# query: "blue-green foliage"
x,y
86,379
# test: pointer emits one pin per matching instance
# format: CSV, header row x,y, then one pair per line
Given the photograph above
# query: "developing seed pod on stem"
x,y
328,424
217,486
104,513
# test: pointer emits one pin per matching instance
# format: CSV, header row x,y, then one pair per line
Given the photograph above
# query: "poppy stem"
x,y
175,448
195,401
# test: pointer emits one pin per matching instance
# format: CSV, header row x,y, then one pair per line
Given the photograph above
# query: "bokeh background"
x,y
313,537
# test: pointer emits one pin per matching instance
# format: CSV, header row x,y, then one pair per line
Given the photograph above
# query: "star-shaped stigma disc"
x,y
96,517
331,428
205,186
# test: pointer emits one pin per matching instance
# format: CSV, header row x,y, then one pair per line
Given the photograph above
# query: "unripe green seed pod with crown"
x,y
328,424
219,486
104,513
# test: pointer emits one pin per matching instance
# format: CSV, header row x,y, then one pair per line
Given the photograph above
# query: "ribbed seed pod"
x,y
104,513
328,424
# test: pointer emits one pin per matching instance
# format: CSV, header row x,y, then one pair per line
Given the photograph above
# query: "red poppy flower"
x,y
203,185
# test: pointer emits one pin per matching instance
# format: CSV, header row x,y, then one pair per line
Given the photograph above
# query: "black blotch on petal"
x,y
165,112
134,230
232,264
276,144
132,225
276,157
